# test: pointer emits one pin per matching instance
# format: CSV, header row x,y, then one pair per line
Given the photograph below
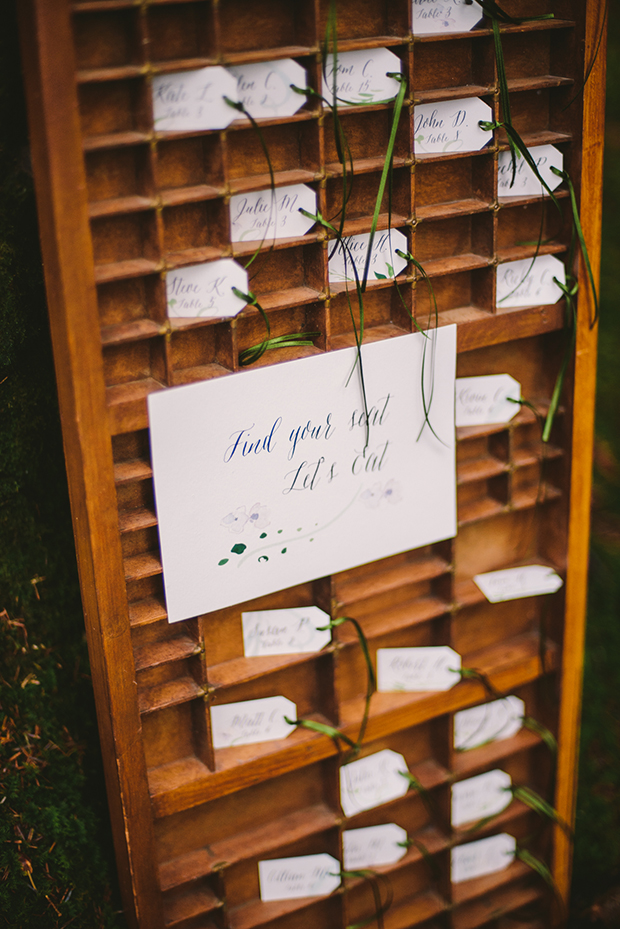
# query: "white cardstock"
x,y
206,290
266,214
432,16
490,722
251,721
451,126
526,184
362,77
194,100
481,796
513,583
384,262
488,399
371,781
487,856
265,89
305,876
529,282
264,479
373,846
434,667
284,632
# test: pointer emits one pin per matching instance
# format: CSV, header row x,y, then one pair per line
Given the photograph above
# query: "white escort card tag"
x,y
284,632
444,16
478,797
434,667
265,89
304,876
513,583
451,126
373,846
194,100
491,722
369,782
481,401
488,856
206,290
271,214
362,77
384,262
526,184
529,282
251,721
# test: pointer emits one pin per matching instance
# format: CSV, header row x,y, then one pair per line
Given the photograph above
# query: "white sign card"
x,y
373,846
265,89
451,126
481,796
371,781
384,261
432,16
271,214
487,856
434,667
284,632
304,876
490,722
251,721
192,100
526,184
362,77
488,399
529,282
260,477
513,583
206,290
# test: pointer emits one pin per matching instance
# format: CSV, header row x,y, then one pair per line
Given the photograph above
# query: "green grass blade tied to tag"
x,y
535,802
371,685
323,729
375,882
581,238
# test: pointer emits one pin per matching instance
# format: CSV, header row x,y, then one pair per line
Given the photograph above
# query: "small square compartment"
x,y
114,106
201,353
460,183
106,39
363,196
125,237
367,136
112,174
132,301
189,906
520,227
195,225
181,31
535,53
480,455
468,236
459,63
189,163
383,312
309,318
299,268
368,18
134,361
414,890
281,24
292,147
460,296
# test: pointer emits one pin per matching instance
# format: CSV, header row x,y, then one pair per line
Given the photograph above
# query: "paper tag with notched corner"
x,y
304,876
514,583
362,77
487,856
488,399
529,282
373,846
451,126
525,183
271,214
433,16
434,667
491,722
481,796
284,632
206,290
251,721
265,90
194,100
371,781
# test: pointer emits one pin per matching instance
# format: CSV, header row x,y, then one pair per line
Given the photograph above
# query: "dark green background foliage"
x,y
56,862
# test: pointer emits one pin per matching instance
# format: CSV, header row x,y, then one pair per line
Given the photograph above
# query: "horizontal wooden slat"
x,y
158,653
172,693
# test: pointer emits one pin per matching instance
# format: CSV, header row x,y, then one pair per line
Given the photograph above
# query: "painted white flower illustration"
x,y
258,517
373,496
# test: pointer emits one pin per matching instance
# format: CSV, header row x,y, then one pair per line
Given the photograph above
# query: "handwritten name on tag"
x,y
362,77
434,667
206,290
304,876
371,781
265,89
513,583
529,282
477,797
444,16
194,100
491,722
488,399
351,253
266,214
251,721
488,856
373,846
451,126
284,632
526,184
